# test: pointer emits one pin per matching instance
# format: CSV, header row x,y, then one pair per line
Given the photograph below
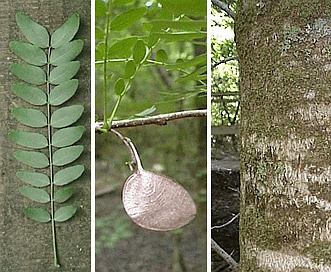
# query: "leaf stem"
x,y
50,154
105,67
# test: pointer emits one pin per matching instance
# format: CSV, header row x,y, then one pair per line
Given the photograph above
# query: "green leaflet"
x,y
64,194
63,92
64,72
32,158
67,52
64,213
67,136
29,139
127,19
29,53
68,175
30,94
35,33
34,178
29,73
66,116
30,117
38,214
66,32
67,155
35,194
47,70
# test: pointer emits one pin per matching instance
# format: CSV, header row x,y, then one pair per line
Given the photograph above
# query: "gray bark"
x,y
284,56
25,244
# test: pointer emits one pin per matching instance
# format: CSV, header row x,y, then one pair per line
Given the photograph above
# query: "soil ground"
x,y
225,205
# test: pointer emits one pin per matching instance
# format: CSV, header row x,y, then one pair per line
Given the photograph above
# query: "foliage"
x,y
132,36
225,72
47,73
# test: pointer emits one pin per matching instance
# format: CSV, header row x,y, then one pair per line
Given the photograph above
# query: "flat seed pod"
x,y
156,202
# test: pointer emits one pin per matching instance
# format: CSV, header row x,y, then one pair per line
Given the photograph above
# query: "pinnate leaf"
x,y
64,194
28,73
35,194
67,136
66,116
34,178
66,32
64,213
29,139
67,155
37,214
30,94
63,92
35,33
64,72
30,117
66,52
32,158
68,175
29,52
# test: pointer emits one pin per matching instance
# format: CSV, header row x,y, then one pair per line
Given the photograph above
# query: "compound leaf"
x,y
29,139
66,32
66,116
64,213
30,117
34,178
29,53
67,155
35,33
35,194
67,136
64,194
37,214
30,94
32,158
68,175
63,92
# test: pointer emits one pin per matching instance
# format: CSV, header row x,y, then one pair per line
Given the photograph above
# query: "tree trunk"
x,y
25,244
284,54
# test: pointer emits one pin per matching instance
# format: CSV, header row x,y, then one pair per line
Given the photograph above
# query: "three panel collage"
x,y
166,136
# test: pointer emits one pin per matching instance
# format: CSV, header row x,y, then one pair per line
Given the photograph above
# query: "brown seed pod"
x,y
154,201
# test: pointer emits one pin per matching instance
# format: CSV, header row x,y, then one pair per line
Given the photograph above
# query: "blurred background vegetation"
x,y
225,95
173,79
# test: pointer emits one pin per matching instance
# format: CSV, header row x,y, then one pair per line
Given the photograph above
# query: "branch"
x,y
223,61
224,7
227,223
161,119
220,251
